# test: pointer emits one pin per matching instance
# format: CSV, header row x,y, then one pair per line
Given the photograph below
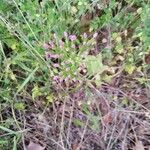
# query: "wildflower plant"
x,y
68,55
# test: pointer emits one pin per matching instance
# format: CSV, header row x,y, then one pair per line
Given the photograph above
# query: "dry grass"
x,y
120,126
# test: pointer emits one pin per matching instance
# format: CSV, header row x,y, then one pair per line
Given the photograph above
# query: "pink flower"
x,y
46,46
66,34
51,43
85,35
55,56
72,37
56,78
61,44
95,35
50,55
56,65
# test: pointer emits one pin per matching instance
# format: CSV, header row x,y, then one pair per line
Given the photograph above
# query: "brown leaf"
x,y
108,118
75,146
34,146
147,59
139,145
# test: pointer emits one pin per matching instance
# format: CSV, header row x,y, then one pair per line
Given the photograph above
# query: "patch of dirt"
x,y
90,120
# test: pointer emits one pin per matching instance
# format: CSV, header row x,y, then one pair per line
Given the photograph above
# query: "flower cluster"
x,y
67,54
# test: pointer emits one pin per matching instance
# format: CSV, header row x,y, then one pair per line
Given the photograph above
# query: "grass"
x,y
74,74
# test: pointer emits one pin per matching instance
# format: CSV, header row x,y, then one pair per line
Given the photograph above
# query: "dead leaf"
x,y
34,146
147,59
139,145
75,146
108,118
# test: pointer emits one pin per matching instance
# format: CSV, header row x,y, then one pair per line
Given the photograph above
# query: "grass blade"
x,y
26,80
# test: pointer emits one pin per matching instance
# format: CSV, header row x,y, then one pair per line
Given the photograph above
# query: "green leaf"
x,y
95,120
130,68
119,48
36,92
94,64
7,130
19,106
27,80
50,98
77,122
